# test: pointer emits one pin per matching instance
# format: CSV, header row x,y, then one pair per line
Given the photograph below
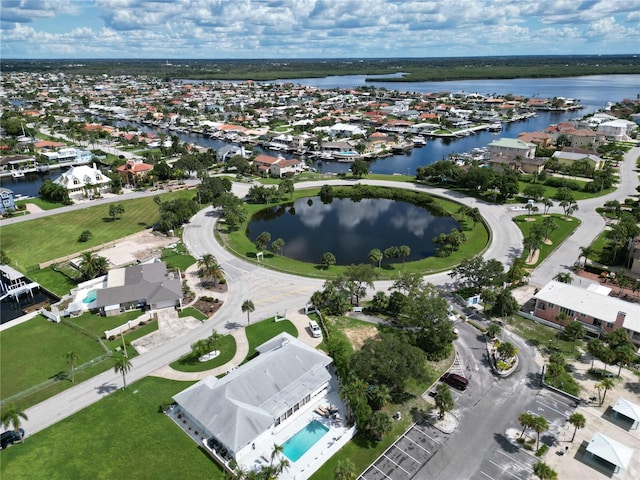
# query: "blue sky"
x,y
174,29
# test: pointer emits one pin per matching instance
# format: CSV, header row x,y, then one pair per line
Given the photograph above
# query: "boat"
x,y
347,156
419,141
17,174
495,127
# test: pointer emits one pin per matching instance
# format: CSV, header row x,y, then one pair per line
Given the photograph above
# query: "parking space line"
x,y
386,476
427,435
397,465
552,409
487,475
504,470
407,454
516,461
417,444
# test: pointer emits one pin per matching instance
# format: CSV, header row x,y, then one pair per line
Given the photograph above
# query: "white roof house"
x,y
249,404
628,409
609,450
77,179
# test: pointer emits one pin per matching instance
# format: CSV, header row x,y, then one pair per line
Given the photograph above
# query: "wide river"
x,y
594,92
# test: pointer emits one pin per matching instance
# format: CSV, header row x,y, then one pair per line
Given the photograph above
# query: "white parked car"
x,y
315,329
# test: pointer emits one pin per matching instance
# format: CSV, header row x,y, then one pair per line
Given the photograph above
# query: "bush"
x,y
85,236
542,450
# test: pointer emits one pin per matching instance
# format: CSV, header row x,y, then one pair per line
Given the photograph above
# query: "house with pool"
x,y
286,396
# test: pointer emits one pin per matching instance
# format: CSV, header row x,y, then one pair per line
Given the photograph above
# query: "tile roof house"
x,y
592,306
133,170
510,153
147,285
249,404
277,166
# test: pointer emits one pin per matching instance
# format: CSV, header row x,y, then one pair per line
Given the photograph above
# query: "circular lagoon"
x,y
350,229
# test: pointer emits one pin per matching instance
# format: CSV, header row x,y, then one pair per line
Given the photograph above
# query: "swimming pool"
x,y
302,441
91,297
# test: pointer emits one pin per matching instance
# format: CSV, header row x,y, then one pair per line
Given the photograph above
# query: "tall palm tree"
x,y
248,306
578,421
209,268
93,265
122,365
585,252
10,417
539,425
72,360
526,421
606,384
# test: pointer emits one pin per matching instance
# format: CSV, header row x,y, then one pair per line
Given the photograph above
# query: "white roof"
x,y
78,177
628,409
610,450
591,302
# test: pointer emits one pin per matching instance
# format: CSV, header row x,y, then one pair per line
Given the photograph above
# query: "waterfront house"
x,y
133,171
510,148
18,164
84,181
277,166
568,156
68,155
146,286
617,129
592,306
7,201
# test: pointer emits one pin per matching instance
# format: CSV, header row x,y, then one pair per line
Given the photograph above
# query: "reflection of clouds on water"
x,y
296,248
351,214
415,221
313,216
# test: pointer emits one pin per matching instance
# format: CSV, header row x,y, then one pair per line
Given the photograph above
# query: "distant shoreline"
x,y
416,69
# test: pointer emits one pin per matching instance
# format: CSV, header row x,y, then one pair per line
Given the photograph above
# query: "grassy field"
x,y
565,228
29,243
260,332
189,363
41,202
192,312
239,244
548,340
550,192
122,436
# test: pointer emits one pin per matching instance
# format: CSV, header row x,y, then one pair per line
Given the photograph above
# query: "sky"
x,y
237,29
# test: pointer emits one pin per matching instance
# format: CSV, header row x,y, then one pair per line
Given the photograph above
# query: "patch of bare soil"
x,y
208,307
533,259
357,336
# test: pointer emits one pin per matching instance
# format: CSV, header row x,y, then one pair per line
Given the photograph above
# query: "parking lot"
x,y
407,455
508,463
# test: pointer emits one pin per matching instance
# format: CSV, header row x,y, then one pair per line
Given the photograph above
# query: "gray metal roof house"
x,y
244,407
148,285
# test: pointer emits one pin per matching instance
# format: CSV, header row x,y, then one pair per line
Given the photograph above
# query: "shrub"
x,y
542,450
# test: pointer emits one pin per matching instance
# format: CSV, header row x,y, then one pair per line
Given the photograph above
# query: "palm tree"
x,y
563,277
404,251
544,471
200,348
72,360
578,421
540,424
554,370
93,265
379,396
375,256
606,384
493,330
507,350
576,331
547,205
526,421
585,252
379,424
11,416
122,365
248,306
345,470
208,267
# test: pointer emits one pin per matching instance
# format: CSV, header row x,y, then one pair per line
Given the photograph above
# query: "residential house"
x,y
18,163
513,154
251,404
617,129
569,155
7,201
84,181
277,166
592,306
227,152
68,155
133,171
541,139
146,286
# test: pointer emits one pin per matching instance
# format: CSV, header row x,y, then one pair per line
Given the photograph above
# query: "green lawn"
x,y
189,363
260,332
238,243
547,339
53,281
26,249
41,202
566,226
122,436
177,258
550,192
192,312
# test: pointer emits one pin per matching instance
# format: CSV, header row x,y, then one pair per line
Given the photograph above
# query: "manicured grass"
x,y
122,436
26,249
192,312
177,258
550,192
33,352
260,332
41,202
566,226
97,324
239,244
548,340
53,281
566,383
189,363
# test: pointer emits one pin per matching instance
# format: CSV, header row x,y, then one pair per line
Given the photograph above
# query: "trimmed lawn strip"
x,y
33,352
41,202
192,312
238,243
260,332
122,436
546,339
56,282
550,192
559,235
189,363
97,324
27,250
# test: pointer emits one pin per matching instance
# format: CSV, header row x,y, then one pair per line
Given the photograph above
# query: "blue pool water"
x,y
91,297
302,441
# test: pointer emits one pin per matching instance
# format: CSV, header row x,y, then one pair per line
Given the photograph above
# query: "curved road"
x,y
274,292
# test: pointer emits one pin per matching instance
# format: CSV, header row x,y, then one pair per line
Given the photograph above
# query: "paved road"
x,y
273,292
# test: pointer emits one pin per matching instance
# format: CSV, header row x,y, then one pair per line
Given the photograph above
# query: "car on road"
x,y
315,329
455,380
10,436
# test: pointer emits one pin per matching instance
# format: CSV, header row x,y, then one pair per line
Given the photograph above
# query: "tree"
x,y
494,330
507,350
122,365
92,265
505,304
85,236
547,204
375,256
327,260
475,273
444,399
379,396
577,420
209,268
563,277
248,307
359,168
576,331
262,240
624,354
326,194
277,245
115,210
526,420
379,424
594,347
286,187
539,425
345,470
10,417
72,360
554,370
544,471
404,251
605,384
359,277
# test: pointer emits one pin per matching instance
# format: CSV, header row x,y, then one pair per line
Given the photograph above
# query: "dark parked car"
x,y
455,380
10,436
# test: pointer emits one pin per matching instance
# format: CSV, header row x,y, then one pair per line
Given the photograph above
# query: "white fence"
x,y
115,332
